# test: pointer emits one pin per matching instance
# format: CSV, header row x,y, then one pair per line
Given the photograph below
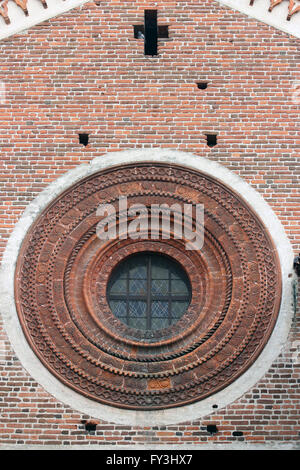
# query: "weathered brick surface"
x,y
84,72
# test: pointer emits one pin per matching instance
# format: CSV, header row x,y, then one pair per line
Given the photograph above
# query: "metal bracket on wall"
x,y
295,298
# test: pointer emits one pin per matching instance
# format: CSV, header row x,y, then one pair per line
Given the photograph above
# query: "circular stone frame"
x,y
162,416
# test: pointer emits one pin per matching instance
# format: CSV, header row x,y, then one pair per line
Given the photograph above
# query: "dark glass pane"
x,y
122,272
137,308
178,308
160,286
160,268
118,307
160,309
137,268
138,323
159,323
175,272
137,287
118,287
179,287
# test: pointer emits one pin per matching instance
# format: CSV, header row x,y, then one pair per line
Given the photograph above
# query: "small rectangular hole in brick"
x,y
212,140
84,139
163,31
202,85
89,426
212,429
139,31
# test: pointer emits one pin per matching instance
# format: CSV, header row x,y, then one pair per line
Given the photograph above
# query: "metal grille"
x,y
149,291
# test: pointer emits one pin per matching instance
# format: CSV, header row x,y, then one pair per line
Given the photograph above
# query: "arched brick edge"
x,y
170,416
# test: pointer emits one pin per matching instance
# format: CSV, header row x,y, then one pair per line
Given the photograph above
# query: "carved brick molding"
x,y
62,275
293,6
20,3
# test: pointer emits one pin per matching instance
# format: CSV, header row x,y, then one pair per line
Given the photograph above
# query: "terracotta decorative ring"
x,y
64,269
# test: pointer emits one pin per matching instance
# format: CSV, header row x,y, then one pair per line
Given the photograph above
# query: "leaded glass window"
x,y
149,291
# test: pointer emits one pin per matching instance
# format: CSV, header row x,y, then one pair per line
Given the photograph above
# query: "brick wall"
x,y
84,72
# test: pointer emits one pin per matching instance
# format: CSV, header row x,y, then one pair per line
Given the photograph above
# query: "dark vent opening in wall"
x,y
202,85
84,139
139,31
237,433
163,31
212,429
151,32
211,140
89,426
